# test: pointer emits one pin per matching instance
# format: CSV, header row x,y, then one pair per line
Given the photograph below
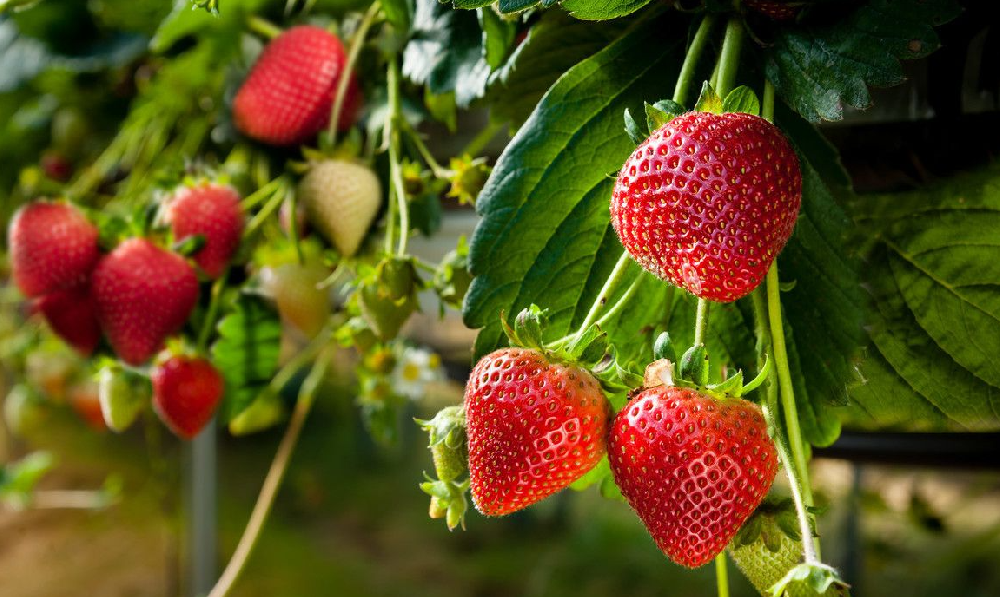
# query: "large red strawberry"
x,y
143,293
692,467
288,95
534,426
52,247
72,316
708,202
186,392
213,211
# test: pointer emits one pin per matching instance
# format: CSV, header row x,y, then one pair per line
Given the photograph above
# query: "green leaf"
x,y
934,274
471,3
21,58
709,100
246,352
818,67
446,52
498,37
545,235
742,99
20,477
602,10
183,22
553,45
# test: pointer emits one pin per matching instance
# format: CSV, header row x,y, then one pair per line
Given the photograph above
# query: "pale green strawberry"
x,y
121,402
341,199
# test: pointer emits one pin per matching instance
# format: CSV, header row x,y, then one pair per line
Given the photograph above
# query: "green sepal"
x,y
189,245
709,100
110,229
742,99
663,349
820,578
749,532
589,348
614,377
762,376
447,500
632,129
694,365
528,327
733,386
661,113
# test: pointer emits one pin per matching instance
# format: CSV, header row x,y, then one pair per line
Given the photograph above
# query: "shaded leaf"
x,y
246,352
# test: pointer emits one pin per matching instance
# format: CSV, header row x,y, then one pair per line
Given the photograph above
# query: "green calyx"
x,y
447,501
447,442
388,295
818,579
589,348
741,99
693,373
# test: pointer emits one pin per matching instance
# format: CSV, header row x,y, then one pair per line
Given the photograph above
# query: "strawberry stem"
x,y
293,225
273,202
700,322
435,166
605,294
729,58
213,308
686,77
275,474
345,77
769,406
398,190
263,27
483,138
721,575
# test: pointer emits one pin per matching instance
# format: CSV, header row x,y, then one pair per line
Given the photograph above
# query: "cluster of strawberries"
x,y
706,202
136,295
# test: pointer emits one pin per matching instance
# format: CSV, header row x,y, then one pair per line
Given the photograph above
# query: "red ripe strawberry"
x,y
52,247
213,211
143,294
288,95
534,427
692,467
708,202
72,316
777,10
186,391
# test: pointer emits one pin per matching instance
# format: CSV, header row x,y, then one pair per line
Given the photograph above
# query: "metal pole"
x,y
203,519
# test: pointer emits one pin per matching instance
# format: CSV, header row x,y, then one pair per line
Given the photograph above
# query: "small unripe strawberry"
x,y
213,211
52,247
186,392
341,199
534,427
121,400
143,294
288,95
708,201
296,291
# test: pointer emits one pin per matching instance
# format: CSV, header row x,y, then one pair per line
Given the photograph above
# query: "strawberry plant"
x,y
677,294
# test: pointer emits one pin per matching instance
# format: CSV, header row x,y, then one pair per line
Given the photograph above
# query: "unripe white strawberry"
x,y
341,199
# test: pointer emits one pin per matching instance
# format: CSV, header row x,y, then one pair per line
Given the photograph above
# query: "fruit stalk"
x,y
273,203
686,76
345,77
701,322
770,409
721,575
729,58
263,27
605,294
213,309
293,230
395,169
272,482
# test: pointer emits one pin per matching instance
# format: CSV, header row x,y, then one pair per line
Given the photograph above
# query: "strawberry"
x,y
708,202
143,294
72,316
300,301
288,95
692,467
534,426
776,10
186,392
213,211
52,247
56,166
341,199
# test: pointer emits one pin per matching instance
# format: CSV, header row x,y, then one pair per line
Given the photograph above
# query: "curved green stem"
x,y
263,27
605,294
432,163
729,58
213,309
293,226
701,322
395,168
482,138
767,107
770,409
686,77
618,306
721,575
345,76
